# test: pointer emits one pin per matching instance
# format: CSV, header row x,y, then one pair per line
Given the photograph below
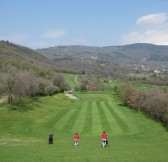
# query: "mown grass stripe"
x,y
103,117
62,122
96,124
71,121
88,119
118,119
51,122
80,119
114,126
130,124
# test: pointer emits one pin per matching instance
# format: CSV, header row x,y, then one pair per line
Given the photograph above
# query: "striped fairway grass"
x,y
133,137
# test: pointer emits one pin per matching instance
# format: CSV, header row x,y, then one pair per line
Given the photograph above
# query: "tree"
x,y
18,84
26,84
153,102
125,91
136,100
156,103
50,89
59,81
9,82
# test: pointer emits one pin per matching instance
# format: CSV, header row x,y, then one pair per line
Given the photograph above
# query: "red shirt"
x,y
104,136
76,137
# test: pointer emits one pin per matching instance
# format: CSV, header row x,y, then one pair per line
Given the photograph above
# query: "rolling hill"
x,y
21,56
139,53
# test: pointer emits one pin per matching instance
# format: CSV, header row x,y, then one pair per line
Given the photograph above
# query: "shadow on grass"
x,y
122,105
26,104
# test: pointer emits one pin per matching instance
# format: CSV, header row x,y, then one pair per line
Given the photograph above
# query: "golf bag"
x,y
50,139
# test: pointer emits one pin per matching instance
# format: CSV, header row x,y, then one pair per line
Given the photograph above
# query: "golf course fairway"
x,y
132,136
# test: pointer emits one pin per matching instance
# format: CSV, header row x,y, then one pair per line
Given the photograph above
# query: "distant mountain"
x,y
139,53
17,55
108,61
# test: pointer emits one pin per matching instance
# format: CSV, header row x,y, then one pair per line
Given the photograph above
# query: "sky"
x,y
47,23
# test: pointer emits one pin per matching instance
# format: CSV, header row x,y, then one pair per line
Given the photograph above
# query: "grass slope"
x,y
70,79
132,136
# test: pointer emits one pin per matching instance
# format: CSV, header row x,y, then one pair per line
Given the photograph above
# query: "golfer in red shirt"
x,y
104,138
76,138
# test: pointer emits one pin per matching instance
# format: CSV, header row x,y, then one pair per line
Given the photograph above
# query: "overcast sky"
x,y
47,23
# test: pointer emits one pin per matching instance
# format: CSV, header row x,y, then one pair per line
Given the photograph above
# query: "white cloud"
x,y
155,34
150,36
153,19
54,34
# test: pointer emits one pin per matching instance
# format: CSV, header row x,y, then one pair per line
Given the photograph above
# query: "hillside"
x,y
19,55
140,53
82,59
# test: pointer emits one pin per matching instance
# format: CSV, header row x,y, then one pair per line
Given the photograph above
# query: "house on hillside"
x,y
157,71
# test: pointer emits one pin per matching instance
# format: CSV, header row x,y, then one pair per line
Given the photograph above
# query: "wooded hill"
x,y
26,58
21,56
139,53
84,60
26,73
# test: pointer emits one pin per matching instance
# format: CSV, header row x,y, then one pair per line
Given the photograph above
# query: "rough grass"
x,y
132,136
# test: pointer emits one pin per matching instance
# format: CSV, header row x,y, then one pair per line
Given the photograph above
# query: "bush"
x,y
153,102
125,91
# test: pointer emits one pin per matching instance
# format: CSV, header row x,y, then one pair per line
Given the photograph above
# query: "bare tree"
x,y
125,92
25,84
9,82
59,81
50,89
17,84
156,103
136,100
2,88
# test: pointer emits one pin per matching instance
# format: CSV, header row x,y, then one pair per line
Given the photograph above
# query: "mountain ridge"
x,y
138,53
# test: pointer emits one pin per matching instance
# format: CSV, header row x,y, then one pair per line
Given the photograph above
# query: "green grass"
x,y
132,136
70,79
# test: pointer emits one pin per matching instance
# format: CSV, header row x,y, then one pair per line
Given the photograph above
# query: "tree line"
x,y
17,84
153,102
89,83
